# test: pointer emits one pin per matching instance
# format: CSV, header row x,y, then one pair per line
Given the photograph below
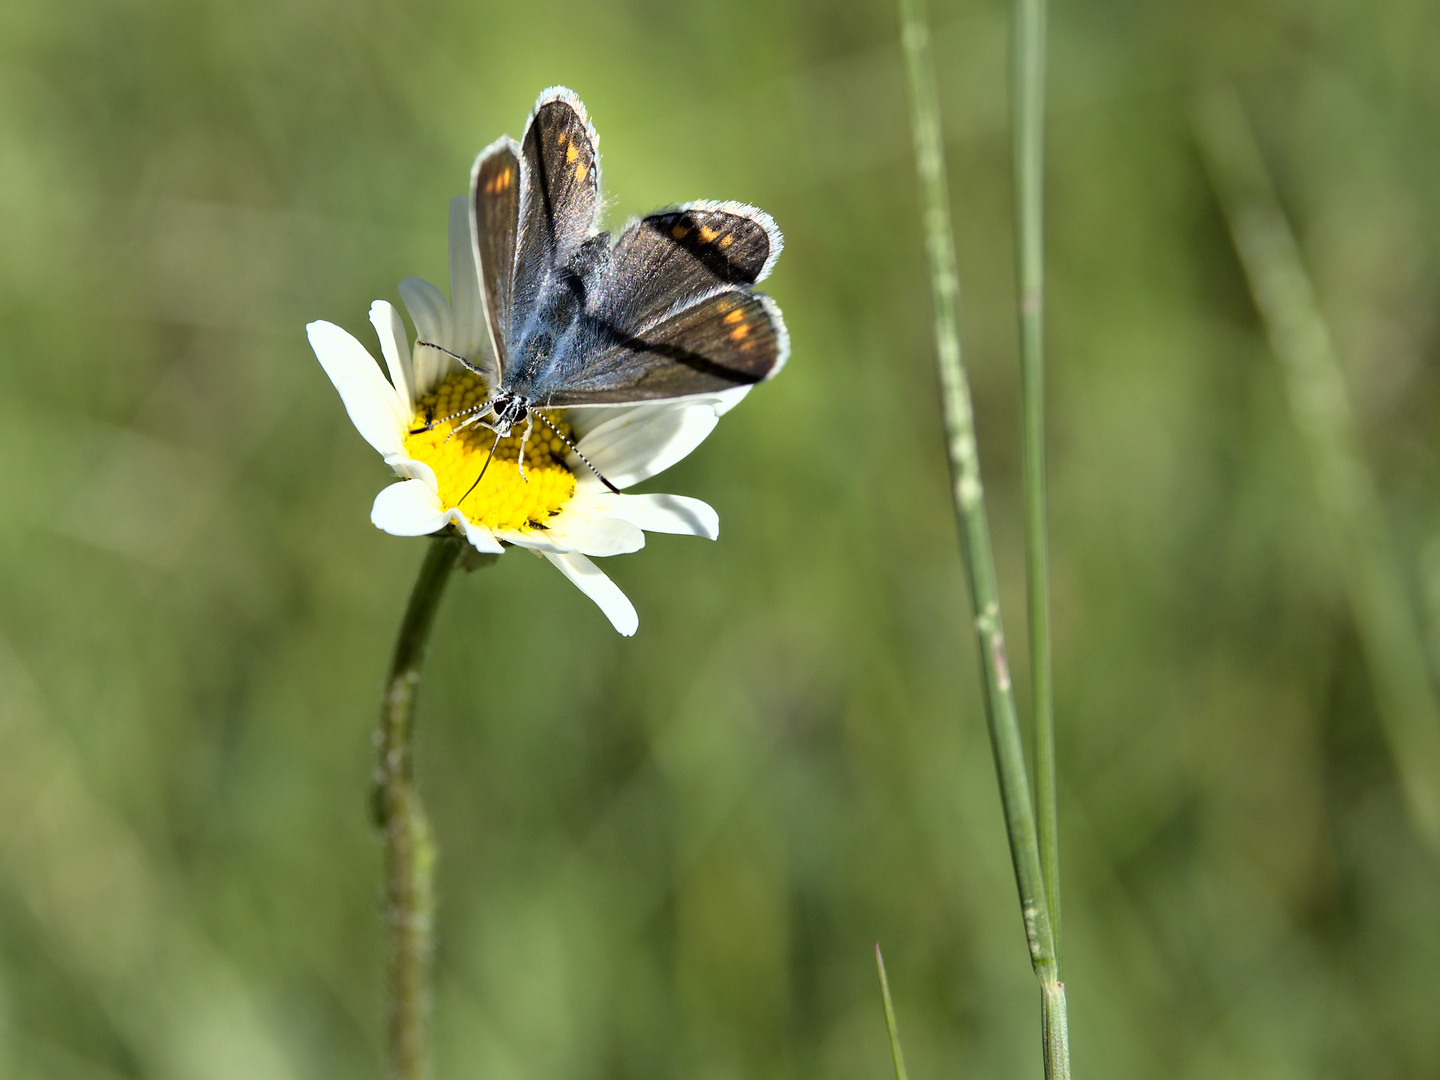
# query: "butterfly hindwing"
x,y
562,196
673,258
732,338
495,190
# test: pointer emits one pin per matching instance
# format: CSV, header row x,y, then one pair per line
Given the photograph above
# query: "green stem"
x,y
1320,405
409,852
895,1055
976,546
1027,101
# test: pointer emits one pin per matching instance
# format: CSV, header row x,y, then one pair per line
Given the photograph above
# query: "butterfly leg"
x,y
474,412
473,415
529,423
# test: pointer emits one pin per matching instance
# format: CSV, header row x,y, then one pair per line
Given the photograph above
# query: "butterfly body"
x,y
558,332
664,313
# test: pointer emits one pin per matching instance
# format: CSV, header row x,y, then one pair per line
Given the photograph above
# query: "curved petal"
x,y
642,442
531,540
481,538
373,404
433,323
472,333
728,399
655,513
591,580
411,469
409,508
577,529
586,418
570,531
395,347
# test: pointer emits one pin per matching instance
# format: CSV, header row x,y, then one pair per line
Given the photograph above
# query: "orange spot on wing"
x,y
580,171
707,234
499,181
560,139
679,232
734,316
726,240
741,332
571,154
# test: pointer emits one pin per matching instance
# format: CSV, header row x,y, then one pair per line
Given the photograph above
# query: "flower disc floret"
x,y
503,499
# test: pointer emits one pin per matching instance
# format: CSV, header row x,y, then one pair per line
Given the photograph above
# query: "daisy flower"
x,y
559,508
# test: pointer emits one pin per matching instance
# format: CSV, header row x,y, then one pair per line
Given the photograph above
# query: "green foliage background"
x,y
669,856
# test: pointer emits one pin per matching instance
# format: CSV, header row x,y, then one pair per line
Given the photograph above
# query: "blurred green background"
x,y
669,856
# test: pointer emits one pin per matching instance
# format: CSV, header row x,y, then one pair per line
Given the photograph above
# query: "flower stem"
x,y
409,852
975,542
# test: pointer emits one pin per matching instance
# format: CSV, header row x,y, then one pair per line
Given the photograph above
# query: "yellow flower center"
x,y
502,499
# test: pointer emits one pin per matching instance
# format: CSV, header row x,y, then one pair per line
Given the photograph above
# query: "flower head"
x,y
558,507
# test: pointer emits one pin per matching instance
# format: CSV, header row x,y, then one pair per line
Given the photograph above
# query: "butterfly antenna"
x,y
576,450
452,355
482,470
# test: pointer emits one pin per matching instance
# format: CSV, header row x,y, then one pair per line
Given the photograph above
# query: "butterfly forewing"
x,y
495,190
731,339
672,259
562,195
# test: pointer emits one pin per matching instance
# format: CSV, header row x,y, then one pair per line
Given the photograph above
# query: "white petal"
x,y
481,538
373,404
409,508
586,418
591,580
728,399
655,513
433,323
411,469
533,539
642,442
395,347
472,335
577,529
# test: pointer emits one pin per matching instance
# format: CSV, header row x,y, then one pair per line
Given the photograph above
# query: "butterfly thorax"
x,y
548,342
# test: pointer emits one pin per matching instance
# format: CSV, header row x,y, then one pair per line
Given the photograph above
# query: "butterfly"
x,y
665,312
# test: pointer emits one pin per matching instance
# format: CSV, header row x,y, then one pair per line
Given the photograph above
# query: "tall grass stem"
x,y
409,849
976,548
1321,407
1027,105
896,1056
